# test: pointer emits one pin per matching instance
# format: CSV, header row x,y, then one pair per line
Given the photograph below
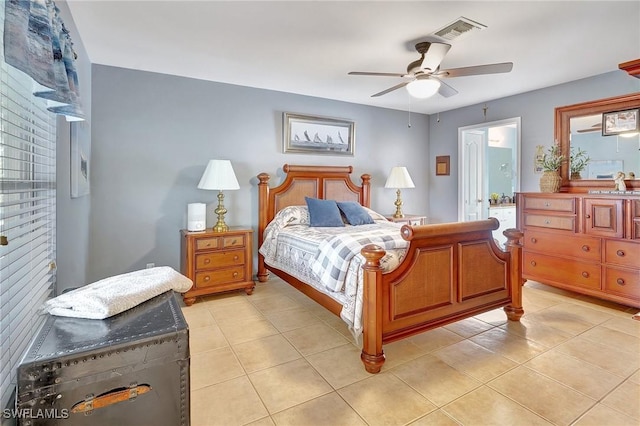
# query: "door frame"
x,y
462,172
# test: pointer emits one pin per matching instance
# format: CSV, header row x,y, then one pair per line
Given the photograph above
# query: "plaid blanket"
x,y
334,255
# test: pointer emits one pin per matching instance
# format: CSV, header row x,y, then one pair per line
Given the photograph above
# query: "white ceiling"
x,y
308,47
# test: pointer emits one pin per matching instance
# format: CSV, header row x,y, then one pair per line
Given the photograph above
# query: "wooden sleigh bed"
x,y
451,271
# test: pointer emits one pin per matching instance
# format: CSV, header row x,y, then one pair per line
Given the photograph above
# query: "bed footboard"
x,y
451,271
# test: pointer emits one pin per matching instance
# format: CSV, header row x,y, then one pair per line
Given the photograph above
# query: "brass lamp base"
x,y
398,205
220,226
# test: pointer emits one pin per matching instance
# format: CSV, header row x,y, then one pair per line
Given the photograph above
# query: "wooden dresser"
x,y
588,243
217,261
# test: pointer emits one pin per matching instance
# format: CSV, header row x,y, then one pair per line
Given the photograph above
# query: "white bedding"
x,y
291,245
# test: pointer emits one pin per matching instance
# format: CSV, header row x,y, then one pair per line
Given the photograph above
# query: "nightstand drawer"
x,y
220,276
219,259
567,223
207,243
233,241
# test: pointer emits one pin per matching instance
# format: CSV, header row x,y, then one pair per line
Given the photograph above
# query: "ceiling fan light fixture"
x,y
423,88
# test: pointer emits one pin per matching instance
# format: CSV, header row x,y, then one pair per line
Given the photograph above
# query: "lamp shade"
x,y
399,178
423,88
219,175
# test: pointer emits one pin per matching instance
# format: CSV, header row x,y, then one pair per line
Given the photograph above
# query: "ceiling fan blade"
x,y
476,70
383,74
445,90
391,89
434,55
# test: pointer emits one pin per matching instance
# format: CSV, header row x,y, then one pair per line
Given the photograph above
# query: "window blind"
x,y
27,215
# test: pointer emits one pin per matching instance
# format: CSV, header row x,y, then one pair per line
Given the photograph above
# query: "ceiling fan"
x,y
424,76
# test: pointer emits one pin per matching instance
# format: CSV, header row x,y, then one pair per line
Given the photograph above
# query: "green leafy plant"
x,y
494,196
552,159
578,160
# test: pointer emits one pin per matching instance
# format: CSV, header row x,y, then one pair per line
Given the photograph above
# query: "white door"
x,y
472,175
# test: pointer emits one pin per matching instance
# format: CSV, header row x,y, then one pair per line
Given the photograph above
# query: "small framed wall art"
x,y
443,165
307,134
615,123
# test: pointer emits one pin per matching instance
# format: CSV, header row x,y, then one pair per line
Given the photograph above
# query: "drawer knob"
x,y
620,253
588,216
207,261
585,248
207,278
585,274
236,257
235,275
547,222
533,263
233,242
534,240
620,281
547,204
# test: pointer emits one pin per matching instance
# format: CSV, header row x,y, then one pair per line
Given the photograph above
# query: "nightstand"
x,y
217,261
409,219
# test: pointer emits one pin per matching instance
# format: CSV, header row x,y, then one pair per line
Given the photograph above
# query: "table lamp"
x,y
399,178
219,176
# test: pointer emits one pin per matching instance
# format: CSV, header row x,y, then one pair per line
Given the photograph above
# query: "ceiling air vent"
x,y
458,28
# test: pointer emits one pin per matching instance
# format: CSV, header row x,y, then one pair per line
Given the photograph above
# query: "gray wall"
x,y
72,213
152,135
536,109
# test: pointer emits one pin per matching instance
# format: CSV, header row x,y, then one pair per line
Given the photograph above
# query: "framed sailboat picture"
x,y
305,134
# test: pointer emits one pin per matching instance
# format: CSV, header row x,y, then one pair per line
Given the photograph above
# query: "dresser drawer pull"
x,y
533,240
547,204
233,242
207,261
236,257
207,278
588,216
533,263
620,253
547,222
585,274
235,275
585,248
620,281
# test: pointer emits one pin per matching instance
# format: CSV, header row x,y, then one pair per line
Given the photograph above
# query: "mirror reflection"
x,y
607,155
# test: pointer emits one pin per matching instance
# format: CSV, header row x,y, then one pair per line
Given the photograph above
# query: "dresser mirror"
x,y
579,127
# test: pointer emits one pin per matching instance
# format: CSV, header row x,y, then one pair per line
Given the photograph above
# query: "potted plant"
x,y
494,198
577,162
551,162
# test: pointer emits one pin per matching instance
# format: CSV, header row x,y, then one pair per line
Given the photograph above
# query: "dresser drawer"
x,y
624,282
219,276
557,204
566,223
586,248
622,253
219,259
570,272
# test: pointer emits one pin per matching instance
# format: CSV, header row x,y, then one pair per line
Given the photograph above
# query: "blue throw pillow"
x,y
355,213
323,212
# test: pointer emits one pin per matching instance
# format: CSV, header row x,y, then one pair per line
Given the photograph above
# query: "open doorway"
x,y
489,172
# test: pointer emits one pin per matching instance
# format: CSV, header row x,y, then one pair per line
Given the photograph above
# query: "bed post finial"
x,y
263,219
514,310
372,355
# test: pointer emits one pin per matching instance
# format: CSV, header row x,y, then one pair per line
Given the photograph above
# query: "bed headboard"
x,y
326,182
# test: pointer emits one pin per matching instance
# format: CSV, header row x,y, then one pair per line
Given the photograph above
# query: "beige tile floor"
x,y
277,357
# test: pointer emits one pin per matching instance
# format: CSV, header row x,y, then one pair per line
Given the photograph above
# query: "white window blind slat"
x,y
27,215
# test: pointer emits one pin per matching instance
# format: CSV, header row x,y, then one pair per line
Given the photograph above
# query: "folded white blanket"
x,y
116,294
